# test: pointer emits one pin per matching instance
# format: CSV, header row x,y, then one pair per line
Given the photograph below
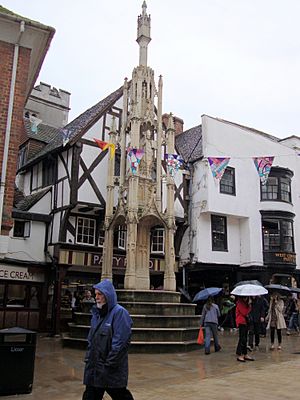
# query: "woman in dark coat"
x,y
106,359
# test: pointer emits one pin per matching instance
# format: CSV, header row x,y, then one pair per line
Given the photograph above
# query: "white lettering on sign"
x,y
20,274
15,349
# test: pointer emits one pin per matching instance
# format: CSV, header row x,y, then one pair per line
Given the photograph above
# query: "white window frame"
x,y
122,237
89,220
158,234
27,228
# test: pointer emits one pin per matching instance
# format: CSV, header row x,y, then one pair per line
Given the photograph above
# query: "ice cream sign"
x,y
19,274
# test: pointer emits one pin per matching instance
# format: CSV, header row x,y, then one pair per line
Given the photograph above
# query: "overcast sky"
x,y
233,59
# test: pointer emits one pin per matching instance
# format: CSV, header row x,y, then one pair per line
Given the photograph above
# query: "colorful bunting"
x,y
105,145
135,156
218,166
263,166
174,162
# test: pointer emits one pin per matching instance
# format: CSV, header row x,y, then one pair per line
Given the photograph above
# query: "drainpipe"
x,y
9,120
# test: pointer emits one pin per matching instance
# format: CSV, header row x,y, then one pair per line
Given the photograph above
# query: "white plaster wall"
x,y
29,249
55,227
43,206
221,139
86,192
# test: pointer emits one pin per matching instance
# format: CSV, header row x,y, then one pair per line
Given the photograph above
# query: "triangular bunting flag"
x,y
105,145
134,156
263,166
174,162
218,166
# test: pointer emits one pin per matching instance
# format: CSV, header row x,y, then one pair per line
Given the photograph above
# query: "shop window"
x,y
219,233
278,186
16,296
227,183
277,235
34,297
86,228
21,229
158,240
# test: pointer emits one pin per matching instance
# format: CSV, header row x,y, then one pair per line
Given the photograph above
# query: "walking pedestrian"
x,y
106,368
209,319
242,311
275,319
256,318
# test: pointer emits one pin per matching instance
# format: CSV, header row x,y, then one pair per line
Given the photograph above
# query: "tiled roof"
x,y
29,201
189,144
79,125
45,133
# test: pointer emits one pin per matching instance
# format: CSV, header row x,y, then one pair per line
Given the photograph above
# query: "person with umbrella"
x,y
209,319
243,309
275,319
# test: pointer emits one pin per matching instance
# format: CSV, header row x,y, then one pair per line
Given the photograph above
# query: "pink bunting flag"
x,y
135,156
218,166
263,166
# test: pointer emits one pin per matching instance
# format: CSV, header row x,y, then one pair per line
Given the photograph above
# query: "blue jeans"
x,y
211,329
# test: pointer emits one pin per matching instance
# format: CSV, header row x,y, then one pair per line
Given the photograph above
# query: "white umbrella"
x,y
249,290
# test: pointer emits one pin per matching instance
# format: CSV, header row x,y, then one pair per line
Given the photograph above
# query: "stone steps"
x,y
160,323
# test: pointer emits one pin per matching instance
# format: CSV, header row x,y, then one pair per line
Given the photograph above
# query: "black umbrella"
x,y
274,287
294,289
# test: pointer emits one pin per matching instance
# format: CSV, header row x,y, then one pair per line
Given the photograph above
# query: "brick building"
x,y
23,47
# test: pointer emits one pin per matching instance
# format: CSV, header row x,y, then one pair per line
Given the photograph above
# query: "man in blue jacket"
x,y
106,368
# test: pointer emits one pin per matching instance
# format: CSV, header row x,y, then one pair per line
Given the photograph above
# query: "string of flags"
x,y
174,162
105,145
262,164
134,156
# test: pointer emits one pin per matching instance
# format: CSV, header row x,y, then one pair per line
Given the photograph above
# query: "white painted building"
x,y
239,228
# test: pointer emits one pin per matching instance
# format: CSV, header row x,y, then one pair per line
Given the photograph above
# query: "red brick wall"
x,y
6,62
178,123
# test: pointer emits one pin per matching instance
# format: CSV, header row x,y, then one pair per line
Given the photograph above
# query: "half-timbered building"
x,y
62,213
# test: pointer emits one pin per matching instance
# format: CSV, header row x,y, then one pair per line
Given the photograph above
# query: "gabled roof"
x,y
189,144
78,126
266,135
45,133
27,202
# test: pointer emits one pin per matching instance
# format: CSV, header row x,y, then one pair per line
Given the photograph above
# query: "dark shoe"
x,y
248,358
218,349
241,359
207,352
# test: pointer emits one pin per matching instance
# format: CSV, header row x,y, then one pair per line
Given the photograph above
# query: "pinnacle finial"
x,y
144,7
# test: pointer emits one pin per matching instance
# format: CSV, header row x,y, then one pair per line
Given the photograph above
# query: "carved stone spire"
x,y
143,34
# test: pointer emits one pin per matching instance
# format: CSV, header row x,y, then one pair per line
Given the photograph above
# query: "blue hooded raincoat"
x,y
108,342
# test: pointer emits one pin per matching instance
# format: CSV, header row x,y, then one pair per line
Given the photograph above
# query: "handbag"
x,y
200,339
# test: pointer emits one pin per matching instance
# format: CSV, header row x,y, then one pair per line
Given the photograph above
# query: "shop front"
x,y
22,293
